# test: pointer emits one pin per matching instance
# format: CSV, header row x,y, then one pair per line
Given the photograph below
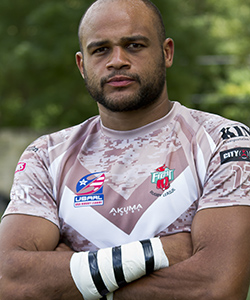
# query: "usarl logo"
x,y
162,177
236,154
90,190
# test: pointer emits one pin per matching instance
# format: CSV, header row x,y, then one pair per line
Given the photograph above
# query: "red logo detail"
x,y
163,184
162,168
162,177
244,154
20,167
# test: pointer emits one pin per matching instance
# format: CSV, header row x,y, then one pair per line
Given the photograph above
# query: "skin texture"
x,y
33,265
211,263
218,269
123,45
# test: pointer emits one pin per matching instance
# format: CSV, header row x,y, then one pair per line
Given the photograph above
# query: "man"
x,y
145,167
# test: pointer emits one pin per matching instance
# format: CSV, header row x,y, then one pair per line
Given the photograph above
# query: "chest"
x,y
117,193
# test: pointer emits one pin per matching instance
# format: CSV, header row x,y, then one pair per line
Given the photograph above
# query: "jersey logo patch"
x,y
236,154
20,167
234,131
162,177
89,190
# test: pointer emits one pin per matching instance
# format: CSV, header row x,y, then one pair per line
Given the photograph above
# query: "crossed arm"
x,y
217,268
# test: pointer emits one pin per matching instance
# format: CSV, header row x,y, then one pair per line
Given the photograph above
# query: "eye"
x,y
100,50
135,46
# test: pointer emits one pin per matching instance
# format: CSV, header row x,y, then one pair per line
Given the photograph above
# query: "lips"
x,y
120,81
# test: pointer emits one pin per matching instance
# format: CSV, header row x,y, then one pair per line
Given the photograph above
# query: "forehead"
x,y
112,20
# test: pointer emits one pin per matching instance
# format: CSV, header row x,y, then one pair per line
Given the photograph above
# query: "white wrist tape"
x,y
109,296
99,273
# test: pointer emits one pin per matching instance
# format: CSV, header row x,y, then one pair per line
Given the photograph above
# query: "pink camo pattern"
x,y
184,138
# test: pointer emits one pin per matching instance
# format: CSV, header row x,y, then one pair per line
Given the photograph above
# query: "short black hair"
x,y
160,24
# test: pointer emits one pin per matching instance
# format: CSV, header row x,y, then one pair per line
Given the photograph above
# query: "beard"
x,y
151,87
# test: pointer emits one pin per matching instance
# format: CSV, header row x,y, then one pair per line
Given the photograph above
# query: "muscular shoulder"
x,y
58,142
196,123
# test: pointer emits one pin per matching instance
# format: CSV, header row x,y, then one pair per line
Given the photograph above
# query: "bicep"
x,y
221,240
28,233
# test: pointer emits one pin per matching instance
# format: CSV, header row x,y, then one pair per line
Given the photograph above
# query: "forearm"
x,y
219,268
187,280
37,275
181,281
112,268
54,270
99,273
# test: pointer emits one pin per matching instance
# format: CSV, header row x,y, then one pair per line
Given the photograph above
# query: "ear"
x,y
168,49
79,62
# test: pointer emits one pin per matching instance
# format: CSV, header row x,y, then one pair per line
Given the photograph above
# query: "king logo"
x,y
234,131
162,177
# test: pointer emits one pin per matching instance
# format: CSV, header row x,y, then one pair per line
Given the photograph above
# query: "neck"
x,y
124,121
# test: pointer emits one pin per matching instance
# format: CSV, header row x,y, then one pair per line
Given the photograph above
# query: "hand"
x,y
178,247
62,247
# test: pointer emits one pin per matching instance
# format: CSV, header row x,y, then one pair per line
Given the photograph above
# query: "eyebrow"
x,y
135,38
97,44
131,39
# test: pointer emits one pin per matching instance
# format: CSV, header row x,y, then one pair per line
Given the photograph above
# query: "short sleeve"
x,y
32,189
227,181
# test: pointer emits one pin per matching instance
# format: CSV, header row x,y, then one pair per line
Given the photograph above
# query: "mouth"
x,y
120,81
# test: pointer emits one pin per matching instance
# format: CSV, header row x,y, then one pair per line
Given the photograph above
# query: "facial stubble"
x,y
150,88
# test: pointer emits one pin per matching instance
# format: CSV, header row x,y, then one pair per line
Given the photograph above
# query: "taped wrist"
x,y
107,297
99,273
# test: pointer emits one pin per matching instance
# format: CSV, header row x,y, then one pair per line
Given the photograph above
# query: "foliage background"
x,y
41,88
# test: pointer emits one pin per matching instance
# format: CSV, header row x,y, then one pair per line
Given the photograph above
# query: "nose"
x,y
118,59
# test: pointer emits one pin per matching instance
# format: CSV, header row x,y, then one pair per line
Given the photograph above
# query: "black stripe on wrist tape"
x,y
95,273
149,256
117,266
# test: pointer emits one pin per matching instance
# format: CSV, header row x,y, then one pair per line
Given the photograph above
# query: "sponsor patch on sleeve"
x,y
20,167
236,154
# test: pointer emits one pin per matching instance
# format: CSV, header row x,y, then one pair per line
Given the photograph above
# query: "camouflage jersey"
x,y
103,187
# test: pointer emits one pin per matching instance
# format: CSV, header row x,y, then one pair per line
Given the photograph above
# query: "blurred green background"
x,y
41,88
